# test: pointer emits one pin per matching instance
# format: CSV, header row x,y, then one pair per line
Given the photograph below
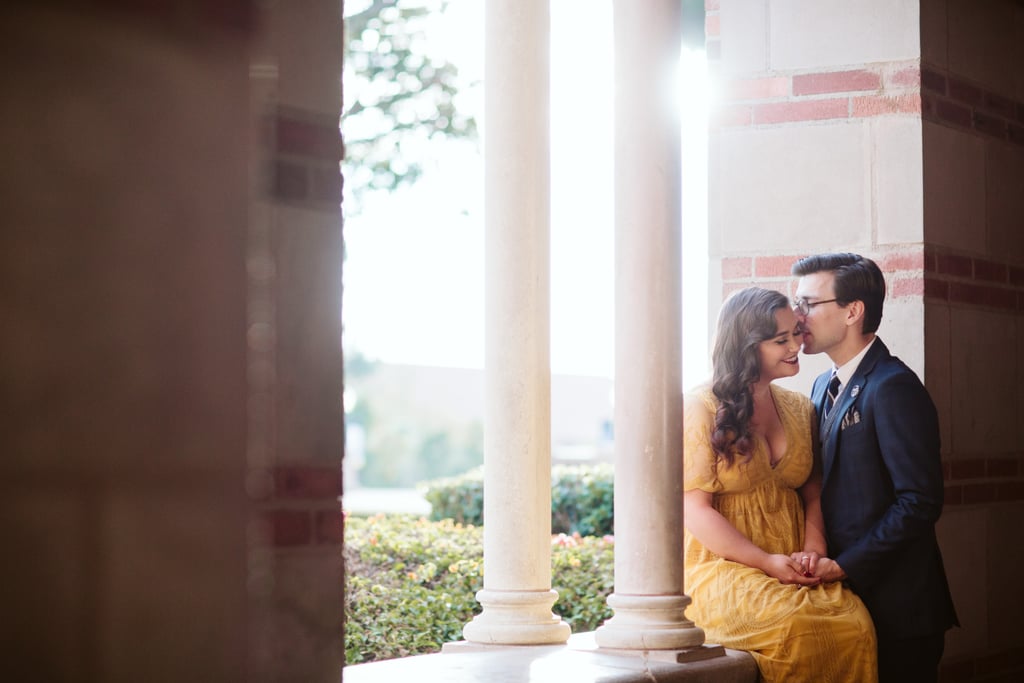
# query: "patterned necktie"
x,y
833,391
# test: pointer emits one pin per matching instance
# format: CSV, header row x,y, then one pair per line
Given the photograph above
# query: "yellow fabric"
x,y
822,633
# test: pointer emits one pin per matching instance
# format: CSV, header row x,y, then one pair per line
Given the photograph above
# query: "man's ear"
x,y
855,313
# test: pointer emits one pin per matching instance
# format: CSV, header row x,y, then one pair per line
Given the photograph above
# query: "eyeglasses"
x,y
803,306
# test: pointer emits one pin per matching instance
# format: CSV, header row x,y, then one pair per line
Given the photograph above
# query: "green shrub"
x,y
582,499
411,583
583,573
460,498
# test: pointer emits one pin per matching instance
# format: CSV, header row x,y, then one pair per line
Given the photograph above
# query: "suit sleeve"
x,y
907,430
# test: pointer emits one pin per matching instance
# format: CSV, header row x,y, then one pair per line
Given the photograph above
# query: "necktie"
x,y
833,391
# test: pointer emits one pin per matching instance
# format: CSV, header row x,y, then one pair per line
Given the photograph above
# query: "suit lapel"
x,y
830,427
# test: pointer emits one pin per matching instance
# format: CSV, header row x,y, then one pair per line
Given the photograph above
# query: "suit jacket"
x,y
882,493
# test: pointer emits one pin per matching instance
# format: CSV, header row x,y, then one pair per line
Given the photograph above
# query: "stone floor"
x,y
578,661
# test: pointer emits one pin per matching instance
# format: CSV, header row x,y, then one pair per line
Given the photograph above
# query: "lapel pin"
x,y
854,391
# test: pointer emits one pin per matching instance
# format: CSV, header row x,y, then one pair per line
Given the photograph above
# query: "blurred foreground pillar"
x,y
171,369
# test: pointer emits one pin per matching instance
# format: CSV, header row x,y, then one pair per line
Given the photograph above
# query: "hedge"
x,y
582,499
411,583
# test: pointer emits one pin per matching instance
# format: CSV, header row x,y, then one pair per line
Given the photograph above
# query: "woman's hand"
x,y
788,570
808,561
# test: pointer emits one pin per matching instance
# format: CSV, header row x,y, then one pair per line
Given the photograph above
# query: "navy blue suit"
x,y
882,493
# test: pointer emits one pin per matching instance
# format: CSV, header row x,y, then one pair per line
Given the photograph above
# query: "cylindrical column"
x,y
648,601
517,595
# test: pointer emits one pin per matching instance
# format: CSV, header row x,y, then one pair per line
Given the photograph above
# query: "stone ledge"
x,y
578,661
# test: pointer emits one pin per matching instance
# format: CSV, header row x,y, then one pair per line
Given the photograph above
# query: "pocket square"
x,y
851,418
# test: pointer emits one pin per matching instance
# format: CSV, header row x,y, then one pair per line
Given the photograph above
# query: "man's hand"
x,y
828,570
787,570
813,564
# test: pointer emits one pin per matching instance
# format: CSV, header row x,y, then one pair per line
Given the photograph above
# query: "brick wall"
x,y
786,97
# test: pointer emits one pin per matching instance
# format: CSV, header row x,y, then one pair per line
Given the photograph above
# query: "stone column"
x,y
517,595
648,598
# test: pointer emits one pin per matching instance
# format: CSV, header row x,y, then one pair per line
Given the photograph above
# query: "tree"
x,y
400,92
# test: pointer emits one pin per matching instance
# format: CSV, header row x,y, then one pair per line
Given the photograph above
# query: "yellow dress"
x,y
822,633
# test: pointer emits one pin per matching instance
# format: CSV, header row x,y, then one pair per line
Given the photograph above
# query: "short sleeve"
x,y
699,471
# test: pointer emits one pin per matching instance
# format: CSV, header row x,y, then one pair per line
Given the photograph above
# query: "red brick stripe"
x,y
955,101
787,98
303,482
904,260
801,110
964,92
930,273
836,81
896,89
983,480
330,527
886,104
711,25
756,88
306,148
933,80
308,139
907,287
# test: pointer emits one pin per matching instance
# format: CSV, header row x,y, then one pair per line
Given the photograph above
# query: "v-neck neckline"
x,y
774,464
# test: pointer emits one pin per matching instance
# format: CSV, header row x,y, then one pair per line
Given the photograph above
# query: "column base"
x,y
649,622
516,618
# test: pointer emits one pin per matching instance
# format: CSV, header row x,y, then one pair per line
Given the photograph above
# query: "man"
x,y
882,488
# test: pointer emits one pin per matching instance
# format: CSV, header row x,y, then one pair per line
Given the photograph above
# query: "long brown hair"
x,y
747,318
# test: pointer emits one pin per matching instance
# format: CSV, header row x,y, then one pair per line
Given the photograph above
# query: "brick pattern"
x,y
781,97
947,276
948,99
306,151
712,29
882,89
984,479
300,506
981,282
903,268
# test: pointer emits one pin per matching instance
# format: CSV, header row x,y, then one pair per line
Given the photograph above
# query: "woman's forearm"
x,y
814,521
716,533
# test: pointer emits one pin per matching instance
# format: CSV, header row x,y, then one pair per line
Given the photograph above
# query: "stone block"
x,y
837,33
954,187
899,208
804,185
984,410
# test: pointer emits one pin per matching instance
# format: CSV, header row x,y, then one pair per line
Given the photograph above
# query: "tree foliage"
x,y
400,91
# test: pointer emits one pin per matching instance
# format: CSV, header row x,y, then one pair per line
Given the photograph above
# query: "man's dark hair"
x,y
856,279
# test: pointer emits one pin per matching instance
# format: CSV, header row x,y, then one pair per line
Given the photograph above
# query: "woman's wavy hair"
x,y
746,319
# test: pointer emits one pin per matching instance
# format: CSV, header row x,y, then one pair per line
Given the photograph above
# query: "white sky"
x,y
414,274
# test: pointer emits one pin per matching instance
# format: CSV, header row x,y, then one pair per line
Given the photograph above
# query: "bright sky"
x,y
414,273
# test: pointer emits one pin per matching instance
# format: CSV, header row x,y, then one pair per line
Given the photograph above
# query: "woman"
x,y
754,536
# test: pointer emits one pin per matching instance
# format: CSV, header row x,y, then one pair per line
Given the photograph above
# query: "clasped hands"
x,y
806,568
